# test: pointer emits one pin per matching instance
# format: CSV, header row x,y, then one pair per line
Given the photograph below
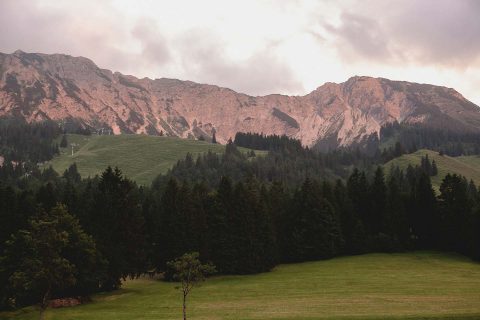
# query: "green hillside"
x,y
468,166
420,285
140,157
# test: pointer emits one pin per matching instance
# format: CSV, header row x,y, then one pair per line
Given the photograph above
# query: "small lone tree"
x,y
64,142
214,138
189,270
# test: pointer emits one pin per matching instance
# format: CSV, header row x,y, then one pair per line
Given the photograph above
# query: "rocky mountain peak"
x,y
75,90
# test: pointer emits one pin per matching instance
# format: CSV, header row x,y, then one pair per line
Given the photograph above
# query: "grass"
x,y
419,285
468,166
140,157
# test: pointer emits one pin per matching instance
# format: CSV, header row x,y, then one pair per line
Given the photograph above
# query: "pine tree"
x,y
423,212
64,142
396,220
71,174
434,168
314,231
172,232
219,244
357,188
214,138
116,205
378,196
351,226
457,215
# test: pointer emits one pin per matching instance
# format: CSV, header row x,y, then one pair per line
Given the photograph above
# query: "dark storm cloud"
x,y
444,32
204,59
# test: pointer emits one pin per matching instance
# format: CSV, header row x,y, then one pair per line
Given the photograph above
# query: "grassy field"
x,y
420,285
468,166
140,157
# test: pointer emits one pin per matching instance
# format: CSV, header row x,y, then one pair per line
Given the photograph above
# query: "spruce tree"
x,y
115,220
214,138
434,168
457,215
423,213
378,195
64,142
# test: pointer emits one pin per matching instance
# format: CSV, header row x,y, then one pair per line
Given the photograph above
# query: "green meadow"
x,y
418,285
140,157
468,166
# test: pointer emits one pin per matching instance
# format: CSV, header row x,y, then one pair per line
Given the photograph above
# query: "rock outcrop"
x,y
74,90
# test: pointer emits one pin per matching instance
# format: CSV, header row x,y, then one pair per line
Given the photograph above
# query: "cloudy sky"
x,y
259,46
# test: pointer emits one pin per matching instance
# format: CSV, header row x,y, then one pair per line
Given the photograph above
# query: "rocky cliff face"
x,y
73,89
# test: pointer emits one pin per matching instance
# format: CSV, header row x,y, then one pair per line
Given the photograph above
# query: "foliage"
x,y
245,213
22,142
189,271
52,256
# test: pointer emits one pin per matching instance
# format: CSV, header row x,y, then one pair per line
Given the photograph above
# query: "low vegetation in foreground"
x,y
419,285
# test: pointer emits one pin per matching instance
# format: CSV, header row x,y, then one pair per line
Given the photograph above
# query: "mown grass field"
x,y
468,166
419,285
140,157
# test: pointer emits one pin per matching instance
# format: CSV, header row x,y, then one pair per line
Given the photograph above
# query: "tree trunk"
x,y
184,306
44,304
42,313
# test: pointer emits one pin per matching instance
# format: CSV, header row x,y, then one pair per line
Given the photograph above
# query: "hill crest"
x,y
74,90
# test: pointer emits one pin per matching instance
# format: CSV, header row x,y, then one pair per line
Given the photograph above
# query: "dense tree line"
x,y
23,142
282,163
274,142
61,235
102,230
414,137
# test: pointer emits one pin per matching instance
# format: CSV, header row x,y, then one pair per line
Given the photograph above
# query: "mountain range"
x,y
75,91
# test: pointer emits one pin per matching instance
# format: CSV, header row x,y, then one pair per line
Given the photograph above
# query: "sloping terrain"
x,y
140,157
468,166
419,285
74,91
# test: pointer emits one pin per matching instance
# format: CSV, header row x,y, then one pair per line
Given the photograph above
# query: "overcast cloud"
x,y
258,47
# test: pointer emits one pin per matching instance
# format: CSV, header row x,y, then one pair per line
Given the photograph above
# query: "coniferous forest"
x,y
62,235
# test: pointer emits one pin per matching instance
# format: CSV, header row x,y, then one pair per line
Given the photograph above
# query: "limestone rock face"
x,y
73,89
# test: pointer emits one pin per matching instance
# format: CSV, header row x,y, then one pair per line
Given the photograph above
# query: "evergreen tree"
x,y
434,168
219,222
51,255
116,223
214,138
424,216
378,194
64,142
396,219
71,174
357,187
457,215
351,225
314,231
